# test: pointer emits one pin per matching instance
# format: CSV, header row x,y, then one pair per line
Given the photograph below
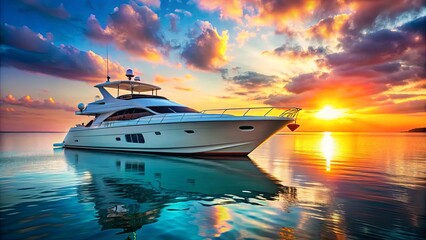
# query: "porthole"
x,y
246,128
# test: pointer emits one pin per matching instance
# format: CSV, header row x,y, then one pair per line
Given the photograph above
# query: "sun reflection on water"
x,y
222,218
327,148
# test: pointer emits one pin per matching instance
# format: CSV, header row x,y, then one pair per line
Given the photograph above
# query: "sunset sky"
x,y
351,65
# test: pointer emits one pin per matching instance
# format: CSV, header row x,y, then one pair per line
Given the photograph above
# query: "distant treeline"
x,y
418,129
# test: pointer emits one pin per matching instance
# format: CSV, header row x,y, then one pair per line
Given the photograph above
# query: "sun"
x,y
329,113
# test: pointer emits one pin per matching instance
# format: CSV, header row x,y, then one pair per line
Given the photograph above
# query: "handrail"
x,y
289,112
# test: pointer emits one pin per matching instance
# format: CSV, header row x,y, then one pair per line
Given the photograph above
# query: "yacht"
x,y
139,120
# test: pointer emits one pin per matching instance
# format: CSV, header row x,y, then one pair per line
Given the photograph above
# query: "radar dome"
x,y
80,106
129,73
137,78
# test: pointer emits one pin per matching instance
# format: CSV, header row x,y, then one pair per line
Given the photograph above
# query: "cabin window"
x,y
189,131
135,138
128,114
172,109
157,133
118,139
140,138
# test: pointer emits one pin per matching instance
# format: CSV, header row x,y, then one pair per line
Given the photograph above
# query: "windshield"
x,y
128,114
172,109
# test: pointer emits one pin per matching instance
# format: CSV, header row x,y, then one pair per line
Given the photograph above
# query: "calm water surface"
x,y
295,186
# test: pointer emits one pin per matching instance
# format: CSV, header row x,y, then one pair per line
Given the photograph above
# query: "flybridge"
x,y
129,85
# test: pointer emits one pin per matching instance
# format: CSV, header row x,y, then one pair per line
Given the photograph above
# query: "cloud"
x,y
417,26
329,28
207,49
152,3
252,85
367,13
24,49
160,79
163,79
333,18
178,83
406,107
95,31
364,71
383,45
297,52
58,12
253,80
134,29
306,82
229,9
184,12
243,36
185,89
28,102
174,19
283,14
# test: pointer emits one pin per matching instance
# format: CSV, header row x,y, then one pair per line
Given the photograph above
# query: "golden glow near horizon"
x,y
329,113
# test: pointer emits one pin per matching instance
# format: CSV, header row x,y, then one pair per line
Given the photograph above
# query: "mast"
x,y
107,67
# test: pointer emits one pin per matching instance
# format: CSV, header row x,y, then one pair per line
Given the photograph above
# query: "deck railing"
x,y
290,112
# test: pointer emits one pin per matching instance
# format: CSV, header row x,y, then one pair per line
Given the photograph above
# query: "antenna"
x,y
107,67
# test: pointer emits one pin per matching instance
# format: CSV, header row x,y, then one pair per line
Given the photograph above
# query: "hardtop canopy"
x,y
128,85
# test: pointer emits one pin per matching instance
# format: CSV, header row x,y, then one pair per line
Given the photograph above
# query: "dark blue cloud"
x,y
296,51
52,9
416,26
24,49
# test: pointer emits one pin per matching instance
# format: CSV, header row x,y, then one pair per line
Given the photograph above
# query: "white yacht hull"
x,y
217,137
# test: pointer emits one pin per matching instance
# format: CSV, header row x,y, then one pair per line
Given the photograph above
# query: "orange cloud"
x,y
329,28
28,102
188,76
229,9
186,89
280,13
243,36
176,82
162,79
207,51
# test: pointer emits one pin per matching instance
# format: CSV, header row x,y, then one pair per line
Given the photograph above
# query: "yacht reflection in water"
x,y
130,190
